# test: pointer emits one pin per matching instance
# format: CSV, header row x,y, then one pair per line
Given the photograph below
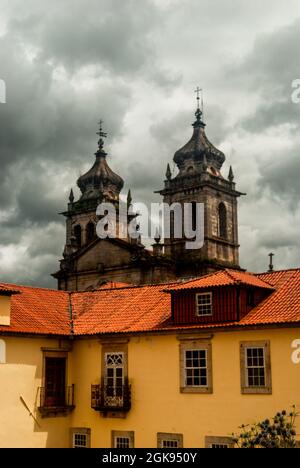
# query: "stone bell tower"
x,y
199,180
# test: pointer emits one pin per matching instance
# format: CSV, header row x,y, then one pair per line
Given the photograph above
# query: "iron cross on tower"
x,y
198,91
101,135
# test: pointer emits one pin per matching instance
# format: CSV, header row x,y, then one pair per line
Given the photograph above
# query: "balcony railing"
x,y
61,401
105,398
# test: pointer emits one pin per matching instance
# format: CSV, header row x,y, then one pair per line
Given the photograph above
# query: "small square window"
x,y
122,439
212,442
169,440
204,305
122,442
80,441
80,437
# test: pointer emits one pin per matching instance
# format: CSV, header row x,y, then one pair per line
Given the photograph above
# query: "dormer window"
x,y
204,305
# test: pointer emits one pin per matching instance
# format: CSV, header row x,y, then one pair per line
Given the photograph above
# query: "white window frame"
x,y
169,438
198,314
129,435
2,352
255,367
200,368
83,436
81,432
214,442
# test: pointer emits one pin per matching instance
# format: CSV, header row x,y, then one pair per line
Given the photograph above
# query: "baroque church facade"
x,y
88,261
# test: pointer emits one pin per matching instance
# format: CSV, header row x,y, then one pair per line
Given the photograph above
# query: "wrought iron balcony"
x,y
60,401
106,398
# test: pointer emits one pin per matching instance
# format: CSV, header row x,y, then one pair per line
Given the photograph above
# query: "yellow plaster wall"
x,y
22,375
158,405
5,310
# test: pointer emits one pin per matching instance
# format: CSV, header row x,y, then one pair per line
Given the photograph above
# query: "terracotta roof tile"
x,y
223,278
120,310
38,311
283,306
145,308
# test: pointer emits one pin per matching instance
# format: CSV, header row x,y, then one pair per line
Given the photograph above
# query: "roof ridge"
x,y
138,286
228,272
33,287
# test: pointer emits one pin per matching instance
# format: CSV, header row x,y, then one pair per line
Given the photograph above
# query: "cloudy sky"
x,y
136,63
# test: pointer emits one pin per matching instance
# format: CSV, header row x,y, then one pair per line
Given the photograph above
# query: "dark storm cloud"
x,y
280,177
66,64
269,71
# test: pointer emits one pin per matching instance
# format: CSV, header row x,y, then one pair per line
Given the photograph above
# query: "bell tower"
x,y
199,180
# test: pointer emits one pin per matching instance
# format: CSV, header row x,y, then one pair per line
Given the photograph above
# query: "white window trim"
x,y
255,367
81,432
211,304
2,352
186,368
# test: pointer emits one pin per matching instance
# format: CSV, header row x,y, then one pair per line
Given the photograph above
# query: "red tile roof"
x,y
283,306
38,311
120,310
223,278
144,308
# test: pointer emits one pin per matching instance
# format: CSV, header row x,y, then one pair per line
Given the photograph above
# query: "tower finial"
x,y
231,175
101,135
199,111
168,173
71,197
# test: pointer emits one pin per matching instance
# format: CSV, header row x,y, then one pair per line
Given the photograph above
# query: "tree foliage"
x,y
279,432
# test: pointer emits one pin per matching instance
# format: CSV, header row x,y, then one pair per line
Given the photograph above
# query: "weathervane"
x,y
101,135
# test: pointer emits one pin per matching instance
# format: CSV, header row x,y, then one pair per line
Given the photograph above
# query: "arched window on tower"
x,y
2,352
77,234
90,232
222,221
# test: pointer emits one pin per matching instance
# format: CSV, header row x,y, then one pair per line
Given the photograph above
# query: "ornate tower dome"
x,y
100,182
199,152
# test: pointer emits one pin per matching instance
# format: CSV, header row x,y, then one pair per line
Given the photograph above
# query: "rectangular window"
x,y
80,441
250,298
204,306
114,375
55,381
80,437
122,439
256,367
195,366
115,392
219,446
212,442
169,440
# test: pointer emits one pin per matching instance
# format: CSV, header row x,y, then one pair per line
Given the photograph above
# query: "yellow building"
x,y
176,365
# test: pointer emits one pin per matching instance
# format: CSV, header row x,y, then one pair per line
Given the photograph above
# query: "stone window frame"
x,y
207,293
190,344
245,388
169,437
81,431
122,434
218,440
2,351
